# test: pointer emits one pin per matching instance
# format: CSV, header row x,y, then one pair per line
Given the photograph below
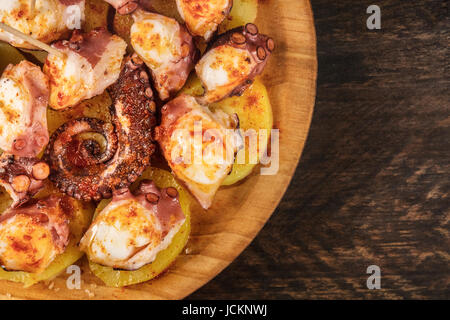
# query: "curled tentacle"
x,y
22,177
232,62
80,168
71,151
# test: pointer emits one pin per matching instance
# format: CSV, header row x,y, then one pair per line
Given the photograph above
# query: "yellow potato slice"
x,y
243,12
120,278
255,113
82,217
9,54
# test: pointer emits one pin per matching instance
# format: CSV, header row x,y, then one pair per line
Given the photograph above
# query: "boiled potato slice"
x,y
9,54
243,12
120,278
167,8
255,114
96,14
5,200
82,217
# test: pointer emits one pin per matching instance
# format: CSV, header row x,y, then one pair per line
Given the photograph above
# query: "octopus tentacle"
x,y
22,177
80,169
71,150
243,53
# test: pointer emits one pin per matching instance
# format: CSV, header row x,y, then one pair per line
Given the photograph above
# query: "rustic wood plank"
x,y
373,183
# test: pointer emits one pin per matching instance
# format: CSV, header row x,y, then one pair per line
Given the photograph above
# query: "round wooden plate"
x,y
239,212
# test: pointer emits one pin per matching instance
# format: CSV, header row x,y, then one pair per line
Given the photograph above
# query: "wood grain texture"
x,y
239,212
373,185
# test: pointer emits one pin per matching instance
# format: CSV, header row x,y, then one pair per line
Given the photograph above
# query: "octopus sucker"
x,y
49,21
79,166
92,63
22,177
124,6
24,94
232,62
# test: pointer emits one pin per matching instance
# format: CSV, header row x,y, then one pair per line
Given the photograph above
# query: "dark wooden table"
x,y
372,187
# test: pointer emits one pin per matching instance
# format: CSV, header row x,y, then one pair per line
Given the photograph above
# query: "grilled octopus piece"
x,y
92,63
80,168
24,94
22,177
203,17
167,48
124,6
232,62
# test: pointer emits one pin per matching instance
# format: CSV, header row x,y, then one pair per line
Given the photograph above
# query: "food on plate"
x,y
242,12
232,62
39,239
90,167
107,114
96,15
49,20
33,235
254,111
198,145
14,55
24,93
203,17
166,47
22,177
160,250
92,63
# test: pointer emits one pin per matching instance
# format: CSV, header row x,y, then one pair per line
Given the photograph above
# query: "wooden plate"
x,y
239,212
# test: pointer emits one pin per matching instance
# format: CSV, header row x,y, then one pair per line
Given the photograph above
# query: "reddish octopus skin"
x,y
22,177
171,75
35,137
43,210
80,169
258,45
